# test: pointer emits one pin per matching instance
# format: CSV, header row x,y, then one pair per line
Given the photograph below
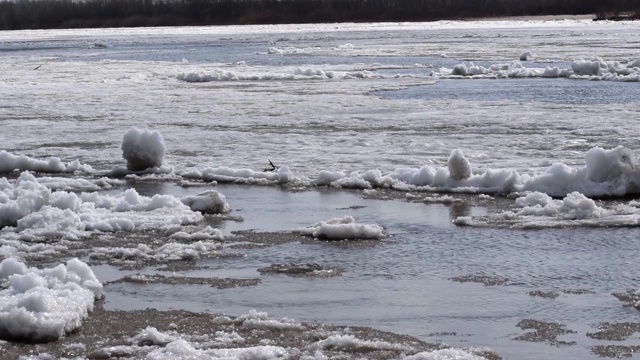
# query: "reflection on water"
x,y
458,209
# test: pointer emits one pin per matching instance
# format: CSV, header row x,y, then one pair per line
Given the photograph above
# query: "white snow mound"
x,y
29,210
344,228
208,202
43,305
10,162
143,149
594,69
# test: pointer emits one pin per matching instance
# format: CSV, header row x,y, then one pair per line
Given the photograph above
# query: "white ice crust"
x,y
207,202
345,228
45,304
10,162
583,69
612,172
223,174
537,210
29,209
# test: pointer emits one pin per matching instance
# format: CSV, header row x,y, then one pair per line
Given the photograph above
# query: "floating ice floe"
x,y
30,211
208,233
613,172
344,228
224,174
595,69
307,50
164,253
207,202
44,305
10,162
539,210
296,74
445,354
260,320
79,184
222,75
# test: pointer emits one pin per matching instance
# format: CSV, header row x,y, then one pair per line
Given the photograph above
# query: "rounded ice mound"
x,y
526,56
344,228
207,202
143,149
459,166
603,165
587,67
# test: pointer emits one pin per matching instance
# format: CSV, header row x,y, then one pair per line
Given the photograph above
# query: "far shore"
x,y
537,18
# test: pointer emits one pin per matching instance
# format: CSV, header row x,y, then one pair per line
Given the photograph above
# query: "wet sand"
x,y
109,334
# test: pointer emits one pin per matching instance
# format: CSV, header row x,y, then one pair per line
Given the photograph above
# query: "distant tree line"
x,y
43,14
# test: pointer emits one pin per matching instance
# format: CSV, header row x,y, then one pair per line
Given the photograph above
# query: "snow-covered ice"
x,y
29,209
10,162
582,69
345,228
45,304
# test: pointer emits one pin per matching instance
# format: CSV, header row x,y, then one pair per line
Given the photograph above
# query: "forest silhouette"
x,y
47,14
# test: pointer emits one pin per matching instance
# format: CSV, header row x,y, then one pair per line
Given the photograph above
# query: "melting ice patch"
x,y
296,74
539,210
43,305
594,69
222,75
79,184
260,320
307,50
10,162
225,174
163,253
345,228
445,354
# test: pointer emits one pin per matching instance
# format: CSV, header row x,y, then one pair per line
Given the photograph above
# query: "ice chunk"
x,y
43,305
603,165
143,149
344,228
208,202
459,167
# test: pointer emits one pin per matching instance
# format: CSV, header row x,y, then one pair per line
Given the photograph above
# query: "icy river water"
x,y
484,172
